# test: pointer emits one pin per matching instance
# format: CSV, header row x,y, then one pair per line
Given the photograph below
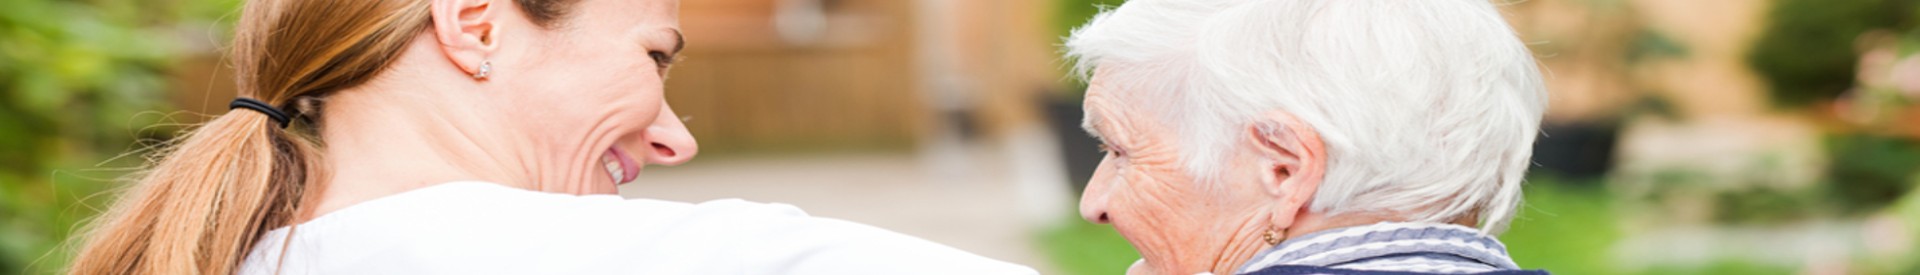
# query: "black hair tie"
x,y
262,107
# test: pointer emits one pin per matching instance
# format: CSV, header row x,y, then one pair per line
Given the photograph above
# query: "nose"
x,y
1093,200
672,144
1093,211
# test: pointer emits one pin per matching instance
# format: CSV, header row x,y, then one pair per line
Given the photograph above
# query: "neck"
x,y
1310,223
1247,241
381,141
1250,241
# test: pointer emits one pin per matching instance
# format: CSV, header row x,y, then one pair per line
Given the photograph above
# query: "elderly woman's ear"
x,y
1293,159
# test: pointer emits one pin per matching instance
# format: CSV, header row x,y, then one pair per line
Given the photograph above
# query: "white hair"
x,y
1428,108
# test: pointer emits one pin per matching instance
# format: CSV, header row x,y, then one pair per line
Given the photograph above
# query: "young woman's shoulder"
x,y
473,227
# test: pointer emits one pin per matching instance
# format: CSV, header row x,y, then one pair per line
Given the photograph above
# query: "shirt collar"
x,y
1350,244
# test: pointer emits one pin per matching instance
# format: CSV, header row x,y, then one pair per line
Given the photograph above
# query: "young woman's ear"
x,y
465,30
1293,160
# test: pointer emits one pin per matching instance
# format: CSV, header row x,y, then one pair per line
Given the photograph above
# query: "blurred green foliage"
x,y
1649,44
1871,172
77,75
1865,174
1570,227
1807,52
1073,13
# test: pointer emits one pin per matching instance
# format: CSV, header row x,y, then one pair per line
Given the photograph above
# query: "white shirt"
x,y
486,228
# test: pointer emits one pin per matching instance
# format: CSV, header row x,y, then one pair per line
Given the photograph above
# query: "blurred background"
x,y
1684,137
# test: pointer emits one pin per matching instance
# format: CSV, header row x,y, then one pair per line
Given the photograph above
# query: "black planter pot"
x,y
1578,151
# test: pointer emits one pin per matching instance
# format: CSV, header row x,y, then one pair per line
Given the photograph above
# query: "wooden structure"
x,y
780,74
808,74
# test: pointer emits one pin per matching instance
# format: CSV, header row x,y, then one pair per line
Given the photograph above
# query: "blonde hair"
x,y
205,202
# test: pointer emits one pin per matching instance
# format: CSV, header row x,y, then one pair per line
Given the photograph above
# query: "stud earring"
x,y
1274,237
486,68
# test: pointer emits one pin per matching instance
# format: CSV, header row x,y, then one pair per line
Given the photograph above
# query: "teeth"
x,y
613,168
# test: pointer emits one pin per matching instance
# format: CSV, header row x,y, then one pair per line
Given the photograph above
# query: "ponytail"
x,y
211,196
203,206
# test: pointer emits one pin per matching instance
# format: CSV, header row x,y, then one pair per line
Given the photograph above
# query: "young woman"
x,y
461,137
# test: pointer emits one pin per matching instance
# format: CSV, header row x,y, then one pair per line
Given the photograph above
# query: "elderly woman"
x,y
461,137
1308,136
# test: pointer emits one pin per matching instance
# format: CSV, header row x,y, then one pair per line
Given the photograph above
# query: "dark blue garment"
x,y
1307,269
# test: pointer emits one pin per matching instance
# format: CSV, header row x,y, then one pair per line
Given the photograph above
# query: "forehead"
x,y
1119,98
1118,85
655,13
1102,100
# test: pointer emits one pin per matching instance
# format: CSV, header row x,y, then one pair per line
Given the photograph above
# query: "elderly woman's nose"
x,y
1093,210
672,144
1093,201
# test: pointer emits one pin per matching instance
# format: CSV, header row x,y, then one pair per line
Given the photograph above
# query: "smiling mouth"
x,y
620,166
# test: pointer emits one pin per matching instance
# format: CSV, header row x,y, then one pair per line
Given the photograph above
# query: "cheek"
x,y
581,98
1157,211
594,89
586,66
1153,200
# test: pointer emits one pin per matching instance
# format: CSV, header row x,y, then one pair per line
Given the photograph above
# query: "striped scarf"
x,y
1388,248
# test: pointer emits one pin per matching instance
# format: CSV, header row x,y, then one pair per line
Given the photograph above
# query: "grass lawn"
x,y
1083,248
1562,228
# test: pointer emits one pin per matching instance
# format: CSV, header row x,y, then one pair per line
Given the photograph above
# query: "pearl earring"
x,y
486,68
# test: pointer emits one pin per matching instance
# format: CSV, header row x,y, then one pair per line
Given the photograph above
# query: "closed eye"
x,y
1109,149
665,59
662,61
